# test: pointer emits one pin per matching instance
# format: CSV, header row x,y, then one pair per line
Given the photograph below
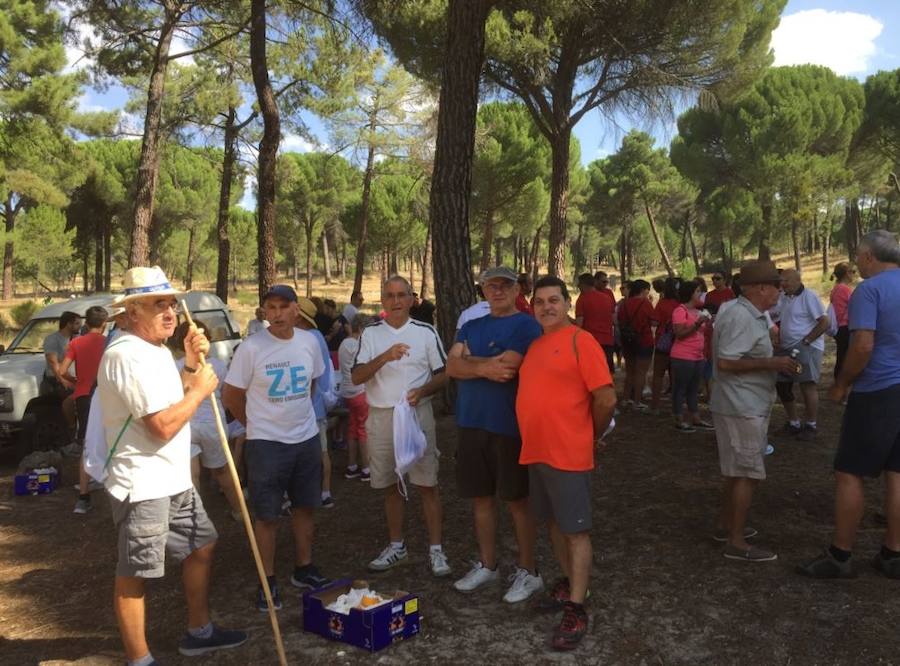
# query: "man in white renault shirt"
x,y
268,389
401,358
147,406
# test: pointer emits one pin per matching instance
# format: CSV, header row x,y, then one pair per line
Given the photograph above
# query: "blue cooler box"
x,y
36,482
372,629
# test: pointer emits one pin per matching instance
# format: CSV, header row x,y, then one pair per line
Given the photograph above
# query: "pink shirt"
x,y
691,348
840,299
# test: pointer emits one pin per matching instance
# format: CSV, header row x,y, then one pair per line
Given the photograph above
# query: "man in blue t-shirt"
x,y
485,359
870,433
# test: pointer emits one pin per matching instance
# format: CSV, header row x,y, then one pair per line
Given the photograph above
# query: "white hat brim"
x,y
122,300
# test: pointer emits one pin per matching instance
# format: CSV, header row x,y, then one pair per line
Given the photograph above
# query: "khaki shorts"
x,y
742,444
380,433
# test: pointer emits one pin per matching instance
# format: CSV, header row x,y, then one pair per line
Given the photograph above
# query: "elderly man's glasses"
x,y
163,304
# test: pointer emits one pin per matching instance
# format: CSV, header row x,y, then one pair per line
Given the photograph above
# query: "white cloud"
x,y
294,143
76,57
843,41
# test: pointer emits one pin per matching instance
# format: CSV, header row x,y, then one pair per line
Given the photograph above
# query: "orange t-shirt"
x,y
553,405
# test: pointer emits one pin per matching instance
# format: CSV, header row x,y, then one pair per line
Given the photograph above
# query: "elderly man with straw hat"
x,y
147,406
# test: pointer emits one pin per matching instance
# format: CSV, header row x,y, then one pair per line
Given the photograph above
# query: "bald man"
x,y
803,322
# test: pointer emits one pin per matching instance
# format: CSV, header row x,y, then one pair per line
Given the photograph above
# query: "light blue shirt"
x,y
875,306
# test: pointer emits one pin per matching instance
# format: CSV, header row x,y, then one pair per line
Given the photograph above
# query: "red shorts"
x,y
359,412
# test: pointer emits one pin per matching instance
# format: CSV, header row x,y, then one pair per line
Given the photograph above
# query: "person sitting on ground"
x,y
355,398
688,357
85,352
401,358
564,405
870,433
206,445
635,317
744,380
843,276
258,323
594,312
485,360
663,338
803,323
147,406
721,293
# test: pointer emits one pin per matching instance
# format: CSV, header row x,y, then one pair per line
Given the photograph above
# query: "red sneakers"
x,y
572,628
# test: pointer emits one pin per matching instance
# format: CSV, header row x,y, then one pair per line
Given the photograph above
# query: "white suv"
x,y
31,419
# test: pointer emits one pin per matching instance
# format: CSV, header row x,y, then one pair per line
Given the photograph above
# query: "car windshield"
x,y
31,338
217,323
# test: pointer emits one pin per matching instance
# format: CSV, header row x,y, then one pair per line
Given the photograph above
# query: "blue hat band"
x,y
131,291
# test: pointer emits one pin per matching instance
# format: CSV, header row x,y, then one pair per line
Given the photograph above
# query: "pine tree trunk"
x,y
427,277
659,240
224,243
343,258
189,272
826,244
309,254
148,165
295,271
107,255
412,270
533,256
765,253
98,256
689,229
268,147
326,256
559,203
487,240
364,213
795,242
451,181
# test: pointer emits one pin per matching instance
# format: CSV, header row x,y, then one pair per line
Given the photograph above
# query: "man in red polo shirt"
x,y
564,405
594,312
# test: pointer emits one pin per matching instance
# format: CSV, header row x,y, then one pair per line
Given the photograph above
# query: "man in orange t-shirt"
x,y
564,405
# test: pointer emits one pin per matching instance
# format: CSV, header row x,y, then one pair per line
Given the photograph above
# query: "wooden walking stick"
x,y
248,524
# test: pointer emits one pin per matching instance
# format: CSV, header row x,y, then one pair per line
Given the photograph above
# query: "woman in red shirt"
x,y
635,317
840,301
662,317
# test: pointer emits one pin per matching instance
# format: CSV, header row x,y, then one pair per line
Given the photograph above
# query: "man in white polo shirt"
x,y
803,323
400,358
268,389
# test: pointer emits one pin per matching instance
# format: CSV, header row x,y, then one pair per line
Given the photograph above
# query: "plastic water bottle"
x,y
795,354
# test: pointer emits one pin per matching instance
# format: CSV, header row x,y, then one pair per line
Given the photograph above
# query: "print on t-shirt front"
x,y
287,382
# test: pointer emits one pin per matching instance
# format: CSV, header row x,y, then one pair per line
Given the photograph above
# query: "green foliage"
x,y
22,312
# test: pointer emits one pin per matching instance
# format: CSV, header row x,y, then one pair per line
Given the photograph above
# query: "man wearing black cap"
x,y
269,389
744,374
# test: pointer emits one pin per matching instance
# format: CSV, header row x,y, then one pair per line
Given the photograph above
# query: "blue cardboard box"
x,y
371,629
37,482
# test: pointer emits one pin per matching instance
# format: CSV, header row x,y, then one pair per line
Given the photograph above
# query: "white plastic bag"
x,y
832,320
95,447
409,440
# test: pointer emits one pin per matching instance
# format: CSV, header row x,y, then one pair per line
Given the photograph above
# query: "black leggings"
x,y
82,408
686,379
842,340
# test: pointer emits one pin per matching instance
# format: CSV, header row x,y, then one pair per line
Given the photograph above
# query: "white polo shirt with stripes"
x,y
425,358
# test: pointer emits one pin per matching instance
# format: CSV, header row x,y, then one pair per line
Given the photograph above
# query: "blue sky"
x,y
854,38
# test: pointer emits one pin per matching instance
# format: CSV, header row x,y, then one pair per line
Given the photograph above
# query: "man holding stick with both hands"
x,y
147,406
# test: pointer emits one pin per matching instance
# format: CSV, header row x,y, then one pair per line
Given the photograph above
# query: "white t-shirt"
x,y
425,357
480,309
799,315
139,378
204,413
346,354
277,375
349,312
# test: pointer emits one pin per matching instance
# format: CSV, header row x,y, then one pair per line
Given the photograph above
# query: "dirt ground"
x,y
662,592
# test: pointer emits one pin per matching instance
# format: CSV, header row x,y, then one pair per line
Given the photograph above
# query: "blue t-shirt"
x,y
323,383
875,306
481,403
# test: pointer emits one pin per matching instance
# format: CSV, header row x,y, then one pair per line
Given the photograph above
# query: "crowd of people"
x,y
535,400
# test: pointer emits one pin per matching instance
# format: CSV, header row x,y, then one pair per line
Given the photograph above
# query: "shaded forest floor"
x,y
662,592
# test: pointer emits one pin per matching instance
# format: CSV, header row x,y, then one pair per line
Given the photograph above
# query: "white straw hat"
x,y
142,281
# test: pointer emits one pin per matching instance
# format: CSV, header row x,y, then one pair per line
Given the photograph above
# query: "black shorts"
x,y
870,434
275,468
488,464
561,496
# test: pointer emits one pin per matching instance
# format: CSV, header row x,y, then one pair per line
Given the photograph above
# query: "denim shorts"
x,y
276,468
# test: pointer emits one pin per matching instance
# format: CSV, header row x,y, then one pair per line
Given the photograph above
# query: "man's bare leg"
x,y
195,572
849,504
128,602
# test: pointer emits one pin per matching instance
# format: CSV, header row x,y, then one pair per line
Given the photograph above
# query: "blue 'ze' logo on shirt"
x,y
288,383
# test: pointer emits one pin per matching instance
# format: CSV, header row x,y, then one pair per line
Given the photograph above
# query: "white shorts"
x,y
205,443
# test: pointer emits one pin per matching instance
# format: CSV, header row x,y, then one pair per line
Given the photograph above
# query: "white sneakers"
x,y
524,585
439,566
390,557
478,576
